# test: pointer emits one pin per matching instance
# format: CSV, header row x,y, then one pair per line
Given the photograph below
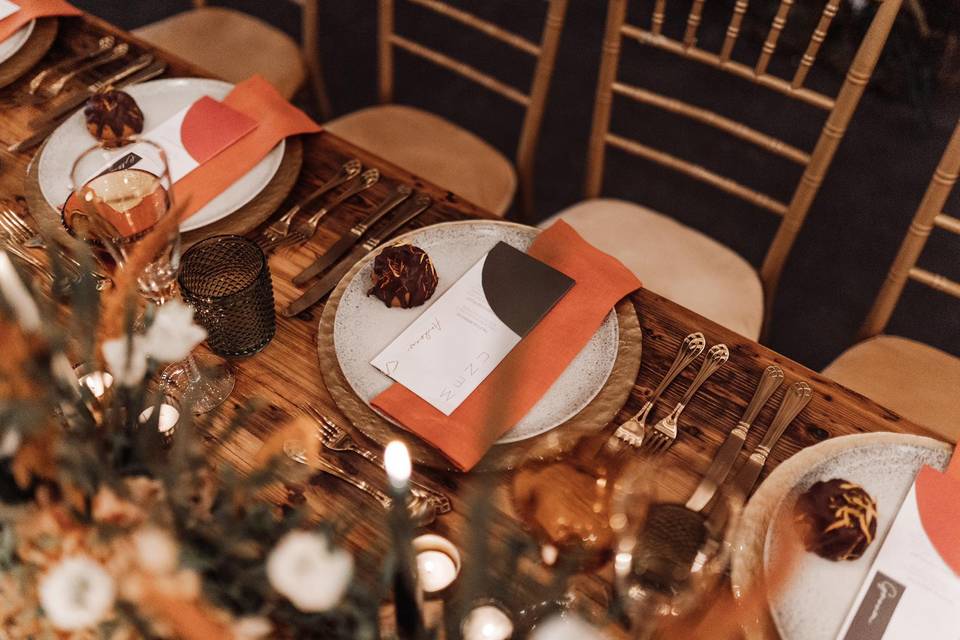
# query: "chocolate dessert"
x,y
113,116
837,519
403,276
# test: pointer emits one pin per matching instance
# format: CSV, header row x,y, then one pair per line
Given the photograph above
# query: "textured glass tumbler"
x,y
226,280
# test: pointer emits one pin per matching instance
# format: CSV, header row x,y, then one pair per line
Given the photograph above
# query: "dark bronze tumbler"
x,y
226,280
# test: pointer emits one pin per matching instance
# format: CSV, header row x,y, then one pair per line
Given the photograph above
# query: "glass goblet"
x,y
667,558
121,201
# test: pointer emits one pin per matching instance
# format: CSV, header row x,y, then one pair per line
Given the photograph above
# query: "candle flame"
x,y
396,459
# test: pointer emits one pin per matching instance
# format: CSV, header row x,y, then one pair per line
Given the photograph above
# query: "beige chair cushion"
x,y
435,149
917,381
674,261
230,44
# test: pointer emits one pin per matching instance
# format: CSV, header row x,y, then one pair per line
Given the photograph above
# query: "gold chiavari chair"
x,y
914,379
673,259
234,46
439,150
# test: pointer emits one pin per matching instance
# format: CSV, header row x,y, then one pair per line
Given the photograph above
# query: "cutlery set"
x,y
425,504
353,245
51,81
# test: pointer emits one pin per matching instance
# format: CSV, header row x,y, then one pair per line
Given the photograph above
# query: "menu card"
x,y
189,138
913,588
461,338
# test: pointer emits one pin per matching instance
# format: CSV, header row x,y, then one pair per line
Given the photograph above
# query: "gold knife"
x,y
350,238
314,294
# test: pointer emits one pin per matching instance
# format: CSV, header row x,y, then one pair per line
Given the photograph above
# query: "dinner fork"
x,y
632,431
54,89
103,44
19,233
280,228
306,230
336,438
664,433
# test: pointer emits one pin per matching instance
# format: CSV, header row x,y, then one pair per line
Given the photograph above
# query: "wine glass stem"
x,y
194,369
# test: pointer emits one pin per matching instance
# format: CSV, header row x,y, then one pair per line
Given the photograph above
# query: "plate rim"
x,y
755,519
29,27
507,223
276,153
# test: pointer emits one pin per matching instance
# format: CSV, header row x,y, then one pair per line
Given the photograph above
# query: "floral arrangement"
x,y
109,530
105,532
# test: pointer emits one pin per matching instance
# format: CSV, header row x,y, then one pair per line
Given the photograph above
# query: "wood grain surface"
x,y
287,374
36,46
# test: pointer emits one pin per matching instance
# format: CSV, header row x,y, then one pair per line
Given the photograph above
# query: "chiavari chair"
x,y
916,380
234,45
674,259
439,150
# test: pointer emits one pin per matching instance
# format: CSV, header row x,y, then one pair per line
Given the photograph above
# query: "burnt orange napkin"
x,y
276,119
535,363
32,9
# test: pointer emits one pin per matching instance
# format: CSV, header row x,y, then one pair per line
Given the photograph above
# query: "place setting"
x,y
28,29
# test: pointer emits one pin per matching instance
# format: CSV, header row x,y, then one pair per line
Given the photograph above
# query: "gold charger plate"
x,y
240,222
548,446
36,46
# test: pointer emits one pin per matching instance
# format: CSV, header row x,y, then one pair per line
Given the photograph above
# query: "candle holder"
x,y
487,620
167,420
96,381
438,563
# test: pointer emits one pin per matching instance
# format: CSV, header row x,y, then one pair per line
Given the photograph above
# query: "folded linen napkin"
x,y
276,119
32,9
531,368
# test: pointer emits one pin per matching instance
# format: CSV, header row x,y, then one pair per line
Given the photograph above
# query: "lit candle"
x,y
166,421
487,622
438,562
406,592
17,295
97,382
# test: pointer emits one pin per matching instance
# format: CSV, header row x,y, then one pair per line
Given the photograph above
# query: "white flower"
x,y
156,550
566,627
76,594
173,334
251,628
9,443
312,575
126,359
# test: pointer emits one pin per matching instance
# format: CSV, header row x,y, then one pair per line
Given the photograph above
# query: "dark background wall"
x,y
858,219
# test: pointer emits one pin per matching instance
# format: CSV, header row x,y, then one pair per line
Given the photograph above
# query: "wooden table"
x,y
287,374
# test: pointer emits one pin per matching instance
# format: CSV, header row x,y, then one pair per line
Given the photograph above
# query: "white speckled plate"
x,y
159,100
364,326
817,596
15,42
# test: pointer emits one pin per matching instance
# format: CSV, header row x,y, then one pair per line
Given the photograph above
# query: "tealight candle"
x,y
98,382
487,622
166,421
438,562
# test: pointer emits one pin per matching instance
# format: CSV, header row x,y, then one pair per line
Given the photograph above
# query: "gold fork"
x,y
664,433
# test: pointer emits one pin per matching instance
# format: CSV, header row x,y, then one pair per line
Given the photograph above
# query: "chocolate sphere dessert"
x,y
837,519
113,116
403,276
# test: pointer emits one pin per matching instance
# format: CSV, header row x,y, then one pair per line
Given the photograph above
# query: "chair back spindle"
x,y
929,214
815,163
532,101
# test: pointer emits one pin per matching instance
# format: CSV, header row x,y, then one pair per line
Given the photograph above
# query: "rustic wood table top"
x,y
287,374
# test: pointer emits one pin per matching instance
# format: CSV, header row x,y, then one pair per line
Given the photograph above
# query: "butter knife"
x,y
78,99
794,400
314,294
350,238
727,455
41,134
